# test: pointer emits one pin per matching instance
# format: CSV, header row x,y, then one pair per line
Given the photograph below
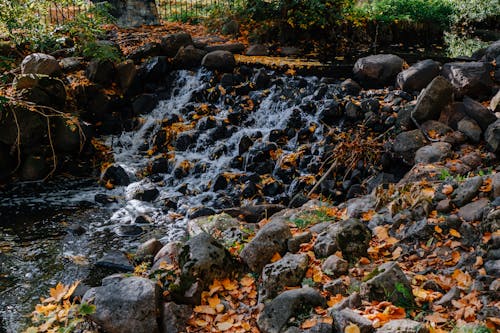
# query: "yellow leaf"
x,y
219,307
229,285
213,301
455,233
71,290
447,189
247,281
58,292
201,323
438,229
352,328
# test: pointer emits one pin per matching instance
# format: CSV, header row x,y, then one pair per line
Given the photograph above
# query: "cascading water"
x,y
279,120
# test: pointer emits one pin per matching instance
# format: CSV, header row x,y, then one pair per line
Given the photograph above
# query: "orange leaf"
x,y
276,257
224,326
367,216
352,328
58,292
455,233
213,301
447,189
229,285
204,309
247,281
438,229
311,322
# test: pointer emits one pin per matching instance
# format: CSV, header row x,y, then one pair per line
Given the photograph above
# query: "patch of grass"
x,y
311,217
458,45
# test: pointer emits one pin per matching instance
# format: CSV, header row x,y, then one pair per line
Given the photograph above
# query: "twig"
x,y
332,167
18,141
54,156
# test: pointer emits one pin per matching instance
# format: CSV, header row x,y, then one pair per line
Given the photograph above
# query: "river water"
x,y
40,224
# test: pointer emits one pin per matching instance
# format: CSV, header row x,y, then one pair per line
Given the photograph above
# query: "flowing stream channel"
x,y
40,224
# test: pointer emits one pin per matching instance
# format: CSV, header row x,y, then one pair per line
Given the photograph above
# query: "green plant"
x,y
311,217
406,299
422,11
471,328
444,174
460,45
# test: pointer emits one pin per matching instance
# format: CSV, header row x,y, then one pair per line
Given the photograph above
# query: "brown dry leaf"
x,y
71,290
464,280
479,262
334,300
436,318
247,281
367,216
455,255
438,229
364,261
58,292
455,233
447,189
397,253
352,328
224,326
204,309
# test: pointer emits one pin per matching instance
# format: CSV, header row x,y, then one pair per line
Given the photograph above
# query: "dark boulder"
x,y
418,76
482,115
100,71
171,44
144,104
407,143
147,50
188,57
469,78
257,50
116,175
431,101
41,90
377,70
492,137
222,61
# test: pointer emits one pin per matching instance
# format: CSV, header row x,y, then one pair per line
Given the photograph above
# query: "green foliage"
x,y
102,51
467,12
461,45
307,218
423,11
25,24
471,328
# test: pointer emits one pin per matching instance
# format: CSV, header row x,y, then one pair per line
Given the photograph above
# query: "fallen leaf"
x,y
455,233
447,189
309,323
247,281
229,285
352,328
204,309
213,301
224,326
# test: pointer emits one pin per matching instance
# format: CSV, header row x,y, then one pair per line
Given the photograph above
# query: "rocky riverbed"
x,y
278,202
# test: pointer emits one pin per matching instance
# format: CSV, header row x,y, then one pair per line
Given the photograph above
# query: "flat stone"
x,y
467,191
403,326
473,211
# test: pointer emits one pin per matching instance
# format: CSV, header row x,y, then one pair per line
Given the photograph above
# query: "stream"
x,y
55,231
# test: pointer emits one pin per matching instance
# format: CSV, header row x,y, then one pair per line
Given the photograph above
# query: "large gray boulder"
x,y
469,78
492,137
418,76
272,238
435,152
433,99
40,63
222,61
377,70
286,272
467,191
492,52
129,305
277,312
204,258
350,236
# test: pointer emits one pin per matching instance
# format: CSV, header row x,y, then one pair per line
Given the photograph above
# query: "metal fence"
x,y
168,10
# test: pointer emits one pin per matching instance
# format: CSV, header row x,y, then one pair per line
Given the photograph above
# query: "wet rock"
x,y
128,305
67,136
212,225
467,191
200,211
357,206
470,128
262,79
330,112
116,175
482,115
153,70
203,258
469,78
100,71
257,50
219,60
377,70
277,312
388,283
148,250
492,137
115,261
473,211
407,143
147,50
104,199
433,99
161,165
403,326
350,236
174,317
345,317
184,141
350,87
272,238
418,76
188,57
352,111
370,105
335,266
171,44
286,272
40,63
144,103
435,152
